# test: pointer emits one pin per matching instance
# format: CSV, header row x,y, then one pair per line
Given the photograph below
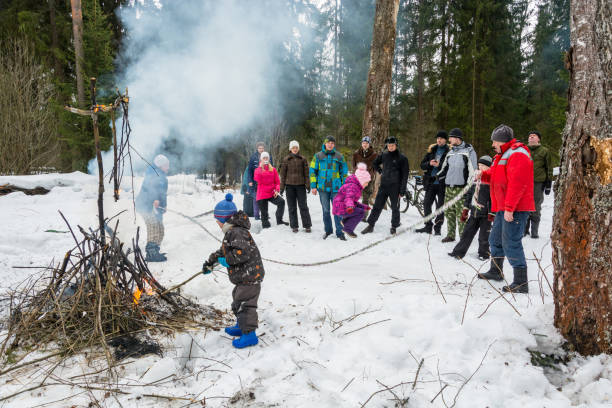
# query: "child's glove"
x,y
491,217
547,185
464,214
350,210
222,261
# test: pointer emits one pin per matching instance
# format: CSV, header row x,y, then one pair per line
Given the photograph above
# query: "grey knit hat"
x,y
486,160
502,133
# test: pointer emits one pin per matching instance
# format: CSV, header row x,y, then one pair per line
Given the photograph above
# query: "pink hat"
x,y
362,173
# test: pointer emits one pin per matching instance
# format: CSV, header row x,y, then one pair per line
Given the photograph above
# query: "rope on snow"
x,y
373,244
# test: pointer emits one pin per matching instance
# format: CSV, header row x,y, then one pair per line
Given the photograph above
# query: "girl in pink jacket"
x,y
268,190
346,203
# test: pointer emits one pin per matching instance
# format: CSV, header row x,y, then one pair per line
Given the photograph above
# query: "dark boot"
x,y
495,272
265,223
153,255
368,229
426,229
520,284
534,229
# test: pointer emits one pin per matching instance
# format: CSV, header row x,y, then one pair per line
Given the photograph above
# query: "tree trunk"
x,y
378,88
79,54
582,250
57,64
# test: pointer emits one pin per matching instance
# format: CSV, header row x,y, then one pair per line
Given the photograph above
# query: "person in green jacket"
x,y
542,179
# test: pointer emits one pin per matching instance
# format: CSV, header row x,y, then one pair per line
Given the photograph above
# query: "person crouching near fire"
x,y
240,255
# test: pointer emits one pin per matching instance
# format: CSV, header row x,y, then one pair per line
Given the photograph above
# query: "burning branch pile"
x,y
98,295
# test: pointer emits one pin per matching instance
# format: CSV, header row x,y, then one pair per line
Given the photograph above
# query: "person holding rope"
x,y
434,188
268,190
240,255
460,162
151,205
478,199
511,181
294,178
328,170
394,169
366,154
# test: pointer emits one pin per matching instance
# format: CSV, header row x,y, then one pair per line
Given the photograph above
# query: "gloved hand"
x,y
547,186
491,217
222,261
206,270
350,210
464,214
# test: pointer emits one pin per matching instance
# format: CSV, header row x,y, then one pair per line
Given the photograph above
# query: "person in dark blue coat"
x,y
253,164
151,204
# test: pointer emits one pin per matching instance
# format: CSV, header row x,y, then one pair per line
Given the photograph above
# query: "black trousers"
x,y
296,196
392,193
244,306
472,226
263,209
434,193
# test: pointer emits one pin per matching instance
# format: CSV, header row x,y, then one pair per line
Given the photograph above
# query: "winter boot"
x,y
393,230
308,229
495,271
520,284
153,255
368,229
350,234
265,224
327,234
234,330
342,237
245,340
534,229
425,229
281,222
447,239
295,229
437,232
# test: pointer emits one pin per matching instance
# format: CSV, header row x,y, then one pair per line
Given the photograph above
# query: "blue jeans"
x,y
326,203
505,238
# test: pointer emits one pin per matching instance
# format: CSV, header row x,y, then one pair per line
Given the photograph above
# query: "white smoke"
x,y
200,70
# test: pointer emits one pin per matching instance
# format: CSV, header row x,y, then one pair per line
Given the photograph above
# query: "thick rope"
x,y
373,244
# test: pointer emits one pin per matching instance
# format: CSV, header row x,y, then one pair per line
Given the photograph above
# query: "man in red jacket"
x,y
511,180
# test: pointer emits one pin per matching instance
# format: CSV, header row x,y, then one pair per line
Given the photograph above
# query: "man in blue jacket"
x,y
253,164
151,204
328,169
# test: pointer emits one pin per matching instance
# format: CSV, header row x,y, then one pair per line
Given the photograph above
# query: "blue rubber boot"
x,y
234,330
246,340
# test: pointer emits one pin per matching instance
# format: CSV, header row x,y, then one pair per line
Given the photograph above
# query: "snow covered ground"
x,y
335,335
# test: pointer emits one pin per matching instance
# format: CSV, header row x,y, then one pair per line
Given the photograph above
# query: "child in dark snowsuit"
x,y
478,198
240,255
346,202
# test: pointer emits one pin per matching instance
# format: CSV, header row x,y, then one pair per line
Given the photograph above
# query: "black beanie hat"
x,y
456,132
535,132
329,138
486,160
502,133
442,134
391,140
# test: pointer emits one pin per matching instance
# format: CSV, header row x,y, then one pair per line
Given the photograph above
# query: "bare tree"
x,y
582,250
27,123
79,53
378,89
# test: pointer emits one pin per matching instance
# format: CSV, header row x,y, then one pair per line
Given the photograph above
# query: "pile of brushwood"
x,y
101,300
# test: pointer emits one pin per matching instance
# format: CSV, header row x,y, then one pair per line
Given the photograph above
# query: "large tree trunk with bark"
x,y
582,249
378,89
79,53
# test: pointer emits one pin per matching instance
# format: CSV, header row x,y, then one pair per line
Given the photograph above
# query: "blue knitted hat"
x,y
225,209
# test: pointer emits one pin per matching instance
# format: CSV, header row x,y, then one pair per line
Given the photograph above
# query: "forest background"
x,y
470,64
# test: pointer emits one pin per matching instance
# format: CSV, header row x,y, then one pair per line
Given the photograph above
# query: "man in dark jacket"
x,y
478,199
366,154
253,164
151,204
393,181
240,255
434,188
542,180
294,178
